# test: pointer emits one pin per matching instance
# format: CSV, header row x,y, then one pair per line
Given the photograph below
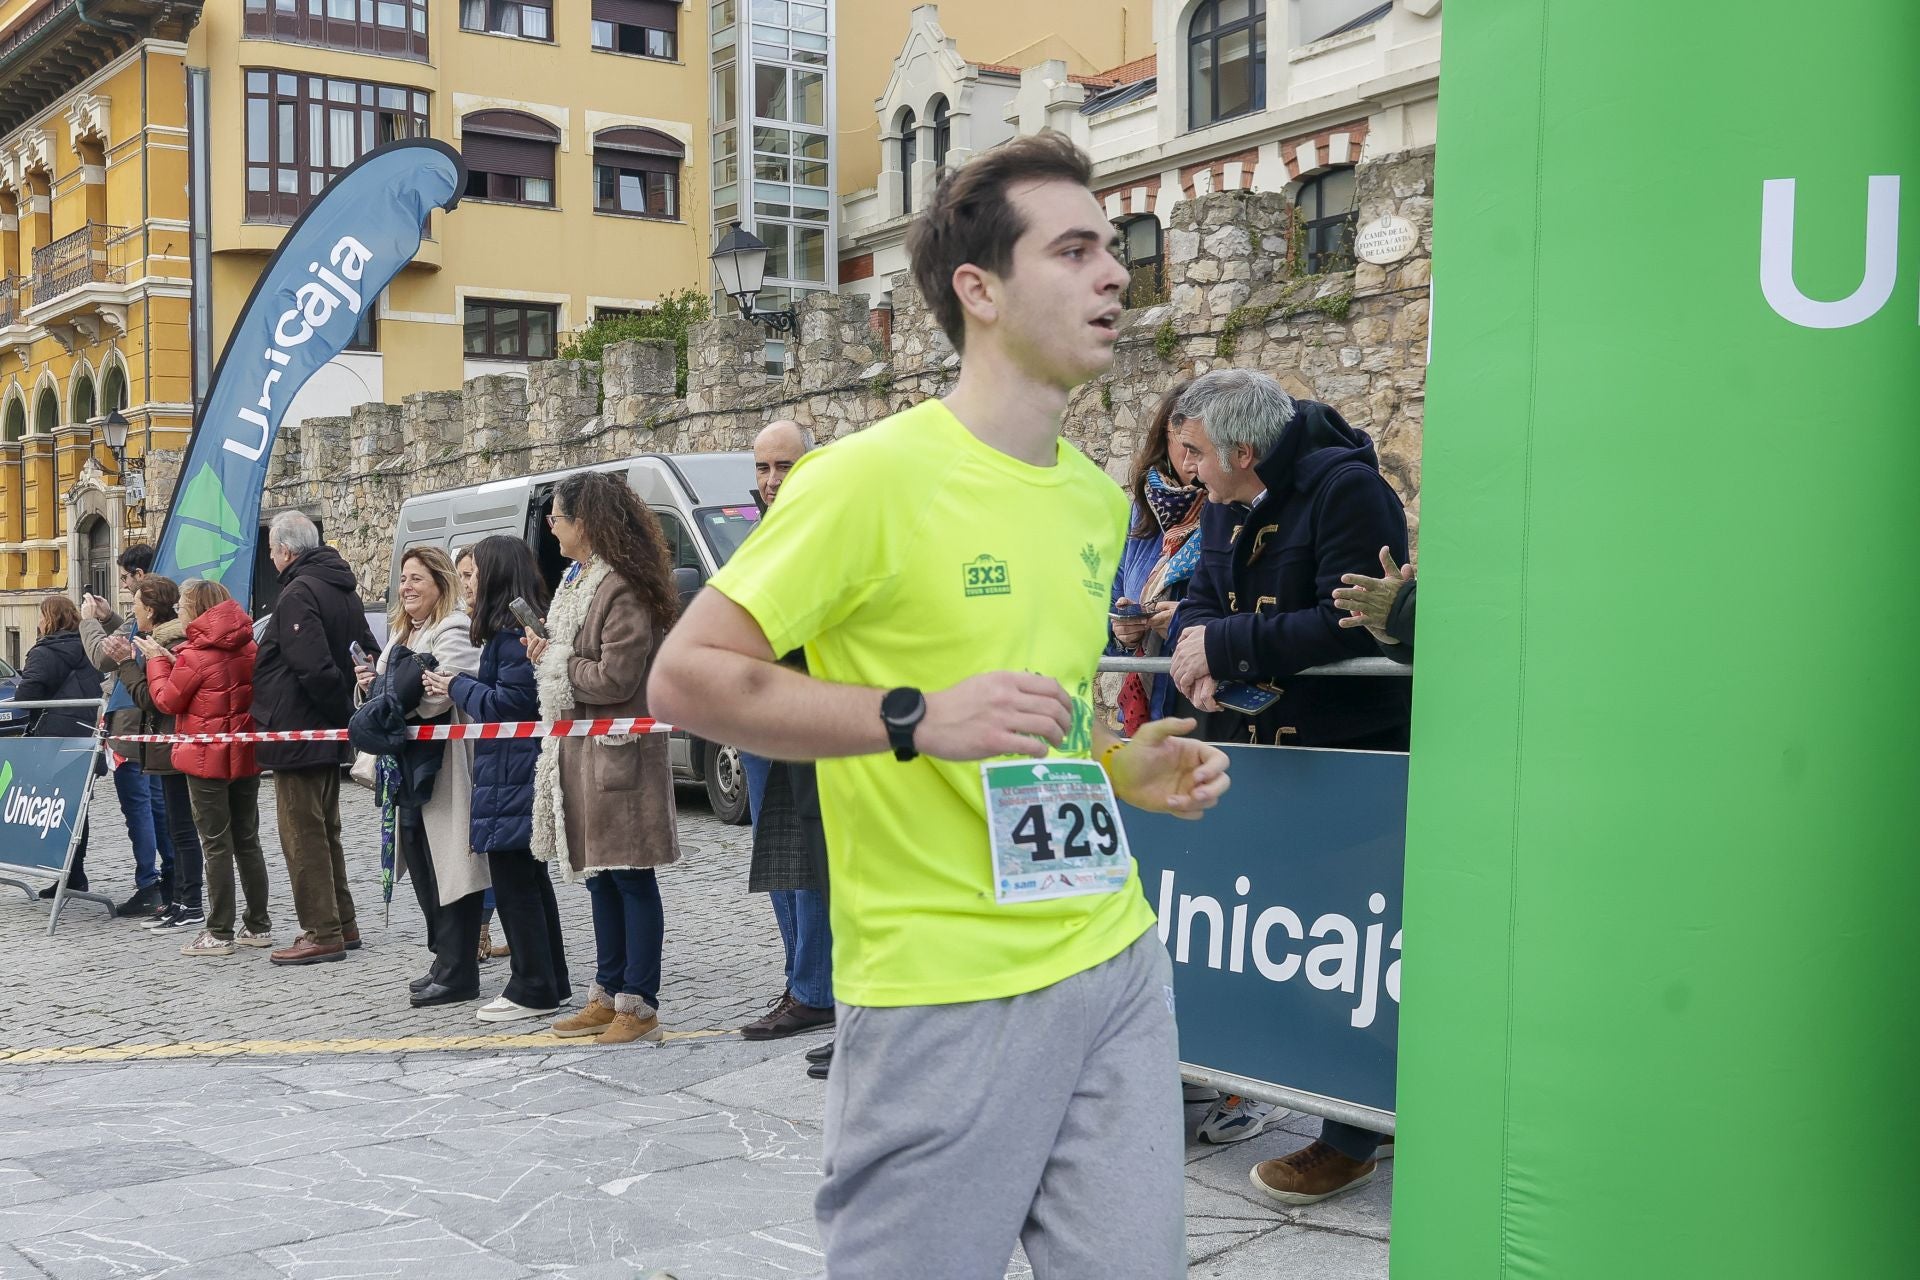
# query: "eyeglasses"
x,y
555,515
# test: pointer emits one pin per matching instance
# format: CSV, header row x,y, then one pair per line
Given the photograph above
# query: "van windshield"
x,y
725,528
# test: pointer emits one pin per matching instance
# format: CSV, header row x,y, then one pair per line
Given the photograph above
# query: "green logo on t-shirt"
x,y
1080,741
1090,557
986,576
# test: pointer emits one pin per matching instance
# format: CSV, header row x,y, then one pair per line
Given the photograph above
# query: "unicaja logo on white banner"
x,y
1776,257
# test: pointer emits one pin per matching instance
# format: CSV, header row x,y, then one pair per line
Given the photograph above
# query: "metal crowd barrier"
x,y
1351,667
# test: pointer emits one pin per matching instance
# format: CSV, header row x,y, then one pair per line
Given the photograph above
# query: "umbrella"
x,y
387,781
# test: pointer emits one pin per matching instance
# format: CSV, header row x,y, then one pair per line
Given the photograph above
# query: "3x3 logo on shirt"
x,y
986,576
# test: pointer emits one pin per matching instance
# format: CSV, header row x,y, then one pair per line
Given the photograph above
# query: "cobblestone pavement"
x,y
408,1146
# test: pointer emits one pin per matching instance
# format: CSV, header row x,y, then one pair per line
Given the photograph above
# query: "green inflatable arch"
x,y
1665,799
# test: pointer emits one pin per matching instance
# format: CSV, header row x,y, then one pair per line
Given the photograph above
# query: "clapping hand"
x,y
149,648
1369,600
117,648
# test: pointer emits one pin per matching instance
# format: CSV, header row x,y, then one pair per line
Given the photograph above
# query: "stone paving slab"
x,y
355,1137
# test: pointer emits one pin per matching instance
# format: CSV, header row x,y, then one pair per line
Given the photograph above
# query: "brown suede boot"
x,y
1311,1174
633,1019
590,1021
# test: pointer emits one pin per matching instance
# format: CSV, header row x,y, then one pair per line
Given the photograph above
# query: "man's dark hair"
x,y
137,558
971,219
503,570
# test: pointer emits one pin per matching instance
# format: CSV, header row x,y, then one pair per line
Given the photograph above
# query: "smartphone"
x,y
1247,699
1127,611
528,618
359,655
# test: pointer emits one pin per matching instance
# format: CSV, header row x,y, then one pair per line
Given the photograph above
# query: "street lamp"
x,y
114,428
741,263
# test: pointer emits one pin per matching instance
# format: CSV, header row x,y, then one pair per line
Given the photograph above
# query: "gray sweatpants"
x,y
1053,1117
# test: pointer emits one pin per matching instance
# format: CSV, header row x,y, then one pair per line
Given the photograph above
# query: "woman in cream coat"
x,y
449,881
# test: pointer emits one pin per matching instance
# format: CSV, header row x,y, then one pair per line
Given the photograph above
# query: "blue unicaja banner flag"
x,y
331,267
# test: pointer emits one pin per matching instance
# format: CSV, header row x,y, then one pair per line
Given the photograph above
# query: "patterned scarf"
x,y
1178,511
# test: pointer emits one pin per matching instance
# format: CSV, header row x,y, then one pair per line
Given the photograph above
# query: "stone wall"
x,y
1355,339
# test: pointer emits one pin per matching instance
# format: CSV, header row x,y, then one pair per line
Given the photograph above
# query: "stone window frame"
x,y
492,330
1210,39
1157,260
647,152
505,152
1323,247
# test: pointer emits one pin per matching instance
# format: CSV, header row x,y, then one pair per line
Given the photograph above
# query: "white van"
x,y
705,503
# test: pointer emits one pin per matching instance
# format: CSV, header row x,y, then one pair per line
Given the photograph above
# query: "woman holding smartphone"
x,y
504,688
603,807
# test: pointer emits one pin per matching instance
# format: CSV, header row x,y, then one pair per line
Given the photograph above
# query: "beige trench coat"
x,y
456,867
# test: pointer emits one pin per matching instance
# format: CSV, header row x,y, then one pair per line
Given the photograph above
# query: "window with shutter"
x,y
510,157
646,28
524,19
637,172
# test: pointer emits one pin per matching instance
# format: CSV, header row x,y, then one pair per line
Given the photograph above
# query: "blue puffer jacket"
x,y
504,689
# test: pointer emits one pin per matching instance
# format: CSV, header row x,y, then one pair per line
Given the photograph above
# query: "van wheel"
x,y
726,784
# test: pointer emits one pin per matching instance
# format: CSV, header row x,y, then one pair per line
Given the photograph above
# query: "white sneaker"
x,y
248,938
207,945
1235,1119
505,1010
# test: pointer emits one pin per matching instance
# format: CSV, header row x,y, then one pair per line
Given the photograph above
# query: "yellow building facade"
x,y
95,297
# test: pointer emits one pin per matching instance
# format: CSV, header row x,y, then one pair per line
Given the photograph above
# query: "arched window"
x,y
46,414
96,550
909,154
637,171
942,129
510,157
16,420
113,387
1226,61
1328,211
83,402
1146,263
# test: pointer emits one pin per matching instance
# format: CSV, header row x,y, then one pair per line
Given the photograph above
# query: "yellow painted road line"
x,y
65,1054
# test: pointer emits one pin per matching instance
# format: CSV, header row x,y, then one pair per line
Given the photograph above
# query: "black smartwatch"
x,y
901,711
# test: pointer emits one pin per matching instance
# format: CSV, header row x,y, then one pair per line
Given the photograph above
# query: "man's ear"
x,y
977,291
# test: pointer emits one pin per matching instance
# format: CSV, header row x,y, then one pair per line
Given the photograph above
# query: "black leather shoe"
x,y
820,1052
818,1070
440,993
144,902
422,982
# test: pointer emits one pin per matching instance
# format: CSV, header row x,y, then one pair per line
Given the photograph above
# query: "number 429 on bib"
x,y
1054,830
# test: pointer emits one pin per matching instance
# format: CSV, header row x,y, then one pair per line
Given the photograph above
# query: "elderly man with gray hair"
x,y
304,679
1296,501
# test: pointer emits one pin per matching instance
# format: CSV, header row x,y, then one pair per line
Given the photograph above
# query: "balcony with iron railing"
x,y
72,261
16,295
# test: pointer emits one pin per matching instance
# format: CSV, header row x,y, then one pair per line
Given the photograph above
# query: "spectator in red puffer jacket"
x,y
206,684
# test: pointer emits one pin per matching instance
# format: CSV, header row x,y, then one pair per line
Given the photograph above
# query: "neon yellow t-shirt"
x,y
913,554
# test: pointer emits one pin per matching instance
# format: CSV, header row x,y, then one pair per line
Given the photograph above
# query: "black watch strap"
x,y
901,711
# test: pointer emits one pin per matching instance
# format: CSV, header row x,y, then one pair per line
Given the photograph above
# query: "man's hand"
x,y
1128,631
1190,660
1369,600
1001,713
96,608
1203,694
1164,772
536,648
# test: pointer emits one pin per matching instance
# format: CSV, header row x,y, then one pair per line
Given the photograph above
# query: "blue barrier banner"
x,y
43,783
1281,910
331,267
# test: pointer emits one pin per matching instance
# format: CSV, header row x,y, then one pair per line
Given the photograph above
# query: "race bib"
x,y
1054,830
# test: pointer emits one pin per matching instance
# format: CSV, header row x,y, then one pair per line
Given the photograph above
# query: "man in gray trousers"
x,y
1004,1065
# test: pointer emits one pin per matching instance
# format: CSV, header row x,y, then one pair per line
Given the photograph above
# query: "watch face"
x,y
900,705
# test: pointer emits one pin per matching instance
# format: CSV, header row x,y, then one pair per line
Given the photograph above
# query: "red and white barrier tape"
x,y
431,732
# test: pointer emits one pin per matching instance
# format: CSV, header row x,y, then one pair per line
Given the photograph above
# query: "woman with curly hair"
x,y
603,807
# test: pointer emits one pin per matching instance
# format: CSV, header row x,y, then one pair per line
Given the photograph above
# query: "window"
x,y
83,399
302,131
680,543
942,131
1140,249
909,156
394,28
1226,61
510,330
637,171
16,421
529,19
46,415
366,334
510,157
113,388
1328,212
648,28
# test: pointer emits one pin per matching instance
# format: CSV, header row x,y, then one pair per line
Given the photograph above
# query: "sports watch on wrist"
x,y
901,711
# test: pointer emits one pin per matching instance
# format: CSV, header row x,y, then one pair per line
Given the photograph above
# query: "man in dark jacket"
x,y
304,680
1296,500
1296,503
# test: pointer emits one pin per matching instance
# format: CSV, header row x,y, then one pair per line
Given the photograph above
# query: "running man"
x,y
1005,1065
